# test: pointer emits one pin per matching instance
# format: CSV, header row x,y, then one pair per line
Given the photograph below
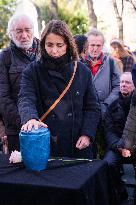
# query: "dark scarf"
x,y
125,103
31,52
56,64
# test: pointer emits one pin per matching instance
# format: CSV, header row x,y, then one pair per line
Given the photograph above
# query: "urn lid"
x,y
40,130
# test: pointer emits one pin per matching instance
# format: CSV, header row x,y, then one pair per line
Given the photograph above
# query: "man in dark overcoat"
x,y
22,50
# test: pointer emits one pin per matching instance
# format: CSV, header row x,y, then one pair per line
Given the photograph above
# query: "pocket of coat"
x,y
15,76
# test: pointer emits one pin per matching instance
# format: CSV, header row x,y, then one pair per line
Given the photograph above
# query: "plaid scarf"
x,y
32,51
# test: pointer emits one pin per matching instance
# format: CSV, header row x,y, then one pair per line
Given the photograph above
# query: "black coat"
x,y
12,63
76,114
115,120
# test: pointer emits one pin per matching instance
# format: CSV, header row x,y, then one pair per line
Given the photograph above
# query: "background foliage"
x,y
72,12
6,10
112,17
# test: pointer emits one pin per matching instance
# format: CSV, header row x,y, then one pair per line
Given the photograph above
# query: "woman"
x,y
74,120
123,58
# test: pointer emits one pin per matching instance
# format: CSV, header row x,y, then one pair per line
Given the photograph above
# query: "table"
x,y
80,184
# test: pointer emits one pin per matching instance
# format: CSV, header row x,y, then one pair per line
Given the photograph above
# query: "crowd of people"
x,y
99,92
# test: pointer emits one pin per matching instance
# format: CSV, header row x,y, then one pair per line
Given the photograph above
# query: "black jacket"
x,y
76,114
12,63
115,120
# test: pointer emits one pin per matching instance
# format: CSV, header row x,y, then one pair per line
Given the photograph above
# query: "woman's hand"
x,y
33,123
83,142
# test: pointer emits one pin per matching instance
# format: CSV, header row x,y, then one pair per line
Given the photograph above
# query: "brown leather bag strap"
x,y
61,95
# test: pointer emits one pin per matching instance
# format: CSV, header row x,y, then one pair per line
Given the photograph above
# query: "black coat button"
x,y
77,93
69,114
53,115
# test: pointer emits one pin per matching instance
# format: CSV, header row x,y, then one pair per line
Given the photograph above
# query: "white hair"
x,y
126,73
15,18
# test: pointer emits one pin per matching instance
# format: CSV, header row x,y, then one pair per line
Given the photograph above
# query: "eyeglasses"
x,y
20,31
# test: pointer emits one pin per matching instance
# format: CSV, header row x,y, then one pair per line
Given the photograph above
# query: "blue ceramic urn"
x,y
35,148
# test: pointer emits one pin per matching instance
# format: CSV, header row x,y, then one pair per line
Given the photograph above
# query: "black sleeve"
x,y
134,74
27,102
111,136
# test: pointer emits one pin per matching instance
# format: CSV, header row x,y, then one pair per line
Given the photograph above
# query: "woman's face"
x,y
55,45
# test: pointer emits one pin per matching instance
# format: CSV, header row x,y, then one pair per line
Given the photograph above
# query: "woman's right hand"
x,y
33,123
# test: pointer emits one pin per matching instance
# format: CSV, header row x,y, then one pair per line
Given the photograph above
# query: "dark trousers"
x,y
13,143
115,161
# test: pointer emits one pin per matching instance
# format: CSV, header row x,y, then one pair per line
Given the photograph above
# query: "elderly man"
x,y
23,49
114,124
104,70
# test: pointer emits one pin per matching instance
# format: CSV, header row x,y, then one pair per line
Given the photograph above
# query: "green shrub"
x,y
77,22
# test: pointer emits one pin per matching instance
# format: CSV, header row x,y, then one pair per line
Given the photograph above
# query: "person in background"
x,y
124,58
22,50
82,46
114,123
104,70
126,47
129,134
73,122
114,55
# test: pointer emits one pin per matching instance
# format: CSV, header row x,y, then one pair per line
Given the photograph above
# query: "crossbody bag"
x,y
61,95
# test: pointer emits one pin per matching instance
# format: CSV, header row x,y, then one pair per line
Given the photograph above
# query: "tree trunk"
x,y
54,9
120,24
39,20
92,15
119,18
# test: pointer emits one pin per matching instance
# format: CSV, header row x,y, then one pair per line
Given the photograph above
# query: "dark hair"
x,y
81,42
60,28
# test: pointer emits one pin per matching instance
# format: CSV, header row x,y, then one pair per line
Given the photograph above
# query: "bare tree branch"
x,y
54,9
92,15
133,4
119,17
122,7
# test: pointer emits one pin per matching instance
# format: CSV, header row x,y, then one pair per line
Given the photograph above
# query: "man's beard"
x,y
25,46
